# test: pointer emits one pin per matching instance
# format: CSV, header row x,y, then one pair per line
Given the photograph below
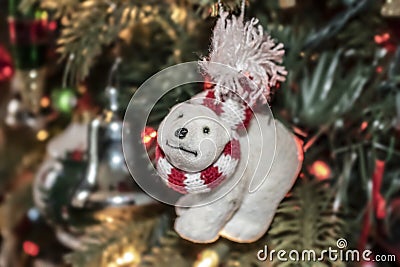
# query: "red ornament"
x,y
77,155
85,102
6,68
385,41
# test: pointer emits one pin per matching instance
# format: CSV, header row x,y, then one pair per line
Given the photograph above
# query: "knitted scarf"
x,y
207,179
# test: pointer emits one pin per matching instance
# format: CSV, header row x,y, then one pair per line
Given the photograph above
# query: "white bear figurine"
x,y
243,206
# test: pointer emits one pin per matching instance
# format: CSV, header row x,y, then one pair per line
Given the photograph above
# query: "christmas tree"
x,y
69,68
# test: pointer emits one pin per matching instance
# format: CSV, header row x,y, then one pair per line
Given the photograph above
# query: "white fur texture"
x,y
242,216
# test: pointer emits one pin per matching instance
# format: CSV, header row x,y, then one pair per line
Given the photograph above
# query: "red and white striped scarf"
x,y
209,178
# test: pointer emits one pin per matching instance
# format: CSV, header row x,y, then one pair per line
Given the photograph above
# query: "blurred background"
x,y
59,78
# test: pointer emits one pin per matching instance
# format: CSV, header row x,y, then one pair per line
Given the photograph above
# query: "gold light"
x,y
208,258
129,257
320,170
42,135
45,102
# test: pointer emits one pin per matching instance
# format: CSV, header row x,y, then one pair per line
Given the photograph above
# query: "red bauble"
x,y
6,66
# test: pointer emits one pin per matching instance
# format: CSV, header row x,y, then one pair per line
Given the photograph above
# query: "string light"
x,y
64,99
208,84
380,39
104,218
42,135
148,136
129,258
6,69
320,170
45,102
384,41
287,3
52,26
208,258
379,69
6,73
314,57
81,88
364,126
30,248
178,15
109,219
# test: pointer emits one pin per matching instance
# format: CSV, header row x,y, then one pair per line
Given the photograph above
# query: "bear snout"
x,y
181,133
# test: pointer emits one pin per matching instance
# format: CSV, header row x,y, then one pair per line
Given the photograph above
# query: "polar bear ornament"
x,y
220,146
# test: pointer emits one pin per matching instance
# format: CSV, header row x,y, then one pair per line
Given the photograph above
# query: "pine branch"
x,y
60,7
326,93
89,26
172,251
306,221
110,242
92,26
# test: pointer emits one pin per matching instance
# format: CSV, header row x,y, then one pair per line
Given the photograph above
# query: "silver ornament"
x,y
92,175
107,169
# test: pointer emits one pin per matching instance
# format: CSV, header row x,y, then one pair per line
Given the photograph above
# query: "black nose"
x,y
181,133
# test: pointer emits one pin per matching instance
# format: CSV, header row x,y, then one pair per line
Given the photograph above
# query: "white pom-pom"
x,y
244,47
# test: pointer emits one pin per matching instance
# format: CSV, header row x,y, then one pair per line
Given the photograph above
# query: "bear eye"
x,y
180,115
206,130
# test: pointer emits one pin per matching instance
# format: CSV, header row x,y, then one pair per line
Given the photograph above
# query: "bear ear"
x,y
179,106
198,99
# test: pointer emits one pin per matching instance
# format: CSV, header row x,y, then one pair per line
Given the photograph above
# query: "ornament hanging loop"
x,y
105,155
112,77
220,7
242,9
111,89
67,71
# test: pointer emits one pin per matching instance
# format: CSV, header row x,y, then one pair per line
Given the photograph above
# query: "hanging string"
x,y
112,77
242,10
220,7
67,71
112,86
